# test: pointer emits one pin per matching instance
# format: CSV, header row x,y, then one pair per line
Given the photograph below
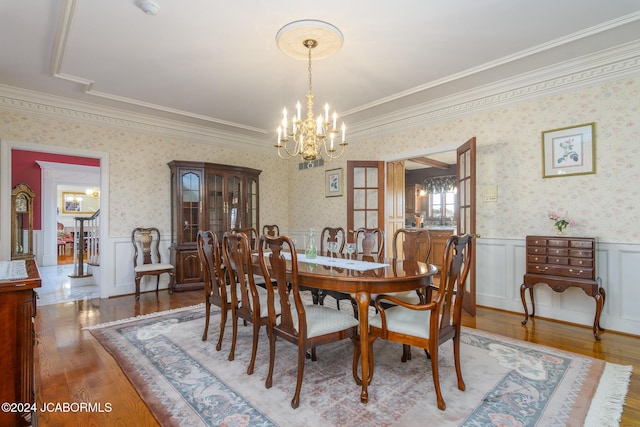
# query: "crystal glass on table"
x,y
350,249
332,247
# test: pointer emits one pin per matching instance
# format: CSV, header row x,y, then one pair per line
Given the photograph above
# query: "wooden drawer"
x,y
536,259
558,243
570,271
536,241
536,250
584,244
558,252
558,260
580,253
579,262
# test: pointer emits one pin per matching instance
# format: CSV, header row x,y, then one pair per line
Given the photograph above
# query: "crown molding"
x,y
21,100
611,64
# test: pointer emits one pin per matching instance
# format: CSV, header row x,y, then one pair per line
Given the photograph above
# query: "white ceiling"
x,y
215,64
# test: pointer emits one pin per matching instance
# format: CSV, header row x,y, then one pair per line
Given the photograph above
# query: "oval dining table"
x,y
397,275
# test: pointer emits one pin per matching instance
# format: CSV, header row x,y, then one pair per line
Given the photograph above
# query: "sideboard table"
x,y
562,262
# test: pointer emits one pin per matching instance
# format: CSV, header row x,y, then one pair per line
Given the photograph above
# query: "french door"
x,y
365,195
466,216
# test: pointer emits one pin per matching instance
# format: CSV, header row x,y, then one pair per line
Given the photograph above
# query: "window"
x,y
442,205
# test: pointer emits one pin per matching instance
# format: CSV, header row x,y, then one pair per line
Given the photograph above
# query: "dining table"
x,y
362,276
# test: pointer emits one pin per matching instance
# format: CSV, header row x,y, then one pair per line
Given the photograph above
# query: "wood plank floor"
x,y
72,367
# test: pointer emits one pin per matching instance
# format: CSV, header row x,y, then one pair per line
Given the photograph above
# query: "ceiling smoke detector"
x,y
148,7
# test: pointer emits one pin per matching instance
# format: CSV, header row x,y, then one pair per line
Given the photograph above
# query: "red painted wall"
x,y
25,170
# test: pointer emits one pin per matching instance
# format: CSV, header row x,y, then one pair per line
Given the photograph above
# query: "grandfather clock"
x,y
22,222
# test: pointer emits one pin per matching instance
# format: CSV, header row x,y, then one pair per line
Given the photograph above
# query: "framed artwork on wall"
x,y
79,203
569,151
333,183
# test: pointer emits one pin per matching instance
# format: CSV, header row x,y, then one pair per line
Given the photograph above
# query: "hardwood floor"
x,y
72,367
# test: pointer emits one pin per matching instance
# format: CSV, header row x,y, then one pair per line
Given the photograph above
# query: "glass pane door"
x,y
252,203
234,207
190,207
215,185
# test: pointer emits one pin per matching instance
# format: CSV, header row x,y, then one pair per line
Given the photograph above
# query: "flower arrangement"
x,y
560,222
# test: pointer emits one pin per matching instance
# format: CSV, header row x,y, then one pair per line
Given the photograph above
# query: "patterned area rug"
x,y
185,381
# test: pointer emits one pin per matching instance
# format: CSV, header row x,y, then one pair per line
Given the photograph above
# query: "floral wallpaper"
x,y
509,150
604,205
139,178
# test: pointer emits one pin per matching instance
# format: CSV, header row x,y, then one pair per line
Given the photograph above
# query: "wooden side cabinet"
x,y
438,242
207,196
17,340
561,263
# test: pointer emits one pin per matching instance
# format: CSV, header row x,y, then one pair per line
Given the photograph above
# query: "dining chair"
x,y
271,230
216,290
334,235
252,235
428,325
248,301
304,325
412,244
146,258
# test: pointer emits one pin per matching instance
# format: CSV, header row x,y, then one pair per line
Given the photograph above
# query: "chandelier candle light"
x,y
311,137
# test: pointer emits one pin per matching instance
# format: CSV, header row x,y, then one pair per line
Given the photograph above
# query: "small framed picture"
x,y
333,183
569,151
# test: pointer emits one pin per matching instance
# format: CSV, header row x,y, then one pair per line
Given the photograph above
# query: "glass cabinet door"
x,y
190,206
252,203
234,212
215,185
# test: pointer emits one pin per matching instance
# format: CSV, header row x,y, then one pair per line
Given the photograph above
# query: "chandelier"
x,y
312,137
92,192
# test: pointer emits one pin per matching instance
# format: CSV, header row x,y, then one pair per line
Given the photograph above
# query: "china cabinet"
x,y
207,196
22,222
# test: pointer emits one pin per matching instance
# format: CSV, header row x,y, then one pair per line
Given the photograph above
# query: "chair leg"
x,y
436,378
295,402
456,358
223,323
234,333
157,283
137,288
207,310
172,282
406,353
272,355
254,347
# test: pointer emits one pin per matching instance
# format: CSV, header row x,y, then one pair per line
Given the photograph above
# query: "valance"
x,y
440,184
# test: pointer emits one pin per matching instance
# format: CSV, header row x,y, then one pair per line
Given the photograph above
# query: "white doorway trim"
x,y
104,275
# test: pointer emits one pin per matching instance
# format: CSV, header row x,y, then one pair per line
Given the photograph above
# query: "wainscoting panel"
x,y
501,265
493,279
123,275
630,285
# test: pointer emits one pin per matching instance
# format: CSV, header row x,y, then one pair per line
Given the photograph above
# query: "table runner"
x,y
349,264
13,270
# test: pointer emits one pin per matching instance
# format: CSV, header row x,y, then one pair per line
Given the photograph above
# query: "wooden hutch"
x,y
207,196
17,340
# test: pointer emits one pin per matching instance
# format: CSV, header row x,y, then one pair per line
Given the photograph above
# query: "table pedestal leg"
x,y
362,298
